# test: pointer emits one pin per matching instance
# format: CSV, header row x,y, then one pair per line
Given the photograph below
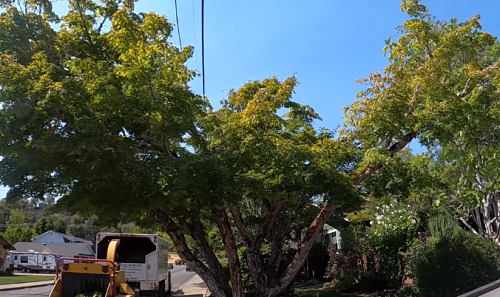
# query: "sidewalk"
x,y
26,285
195,288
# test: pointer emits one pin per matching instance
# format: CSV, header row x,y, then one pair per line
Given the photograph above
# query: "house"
x,y
56,237
73,250
4,247
330,236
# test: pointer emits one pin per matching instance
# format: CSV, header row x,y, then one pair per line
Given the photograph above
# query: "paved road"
x,y
179,278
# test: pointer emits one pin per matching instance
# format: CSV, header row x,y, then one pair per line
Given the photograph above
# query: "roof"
x,y
64,249
5,244
70,238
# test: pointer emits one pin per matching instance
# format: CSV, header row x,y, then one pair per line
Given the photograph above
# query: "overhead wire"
x,y
197,60
203,45
177,22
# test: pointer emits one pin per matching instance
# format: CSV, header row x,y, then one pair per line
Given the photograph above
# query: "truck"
x,y
143,258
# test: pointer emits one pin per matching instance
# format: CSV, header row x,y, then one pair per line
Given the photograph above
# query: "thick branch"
x,y
270,219
224,227
303,249
177,236
253,244
240,225
279,235
196,230
391,151
468,226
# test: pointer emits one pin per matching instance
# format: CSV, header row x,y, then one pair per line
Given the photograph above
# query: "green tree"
x,y
102,118
441,88
18,228
106,120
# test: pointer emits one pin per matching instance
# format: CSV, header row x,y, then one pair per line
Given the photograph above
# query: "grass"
x,y
19,279
322,293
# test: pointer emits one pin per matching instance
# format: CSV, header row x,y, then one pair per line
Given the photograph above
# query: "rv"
x,y
33,262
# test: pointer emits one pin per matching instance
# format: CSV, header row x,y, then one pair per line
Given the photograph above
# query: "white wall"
x,y
49,237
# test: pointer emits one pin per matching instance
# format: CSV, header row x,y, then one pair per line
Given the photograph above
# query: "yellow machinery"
x,y
91,276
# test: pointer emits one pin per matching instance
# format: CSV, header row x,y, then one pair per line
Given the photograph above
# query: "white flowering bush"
x,y
391,235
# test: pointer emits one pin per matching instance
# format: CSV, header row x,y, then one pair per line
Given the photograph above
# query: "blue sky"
x,y
327,43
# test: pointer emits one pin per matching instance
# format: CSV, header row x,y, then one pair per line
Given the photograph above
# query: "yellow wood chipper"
x,y
91,276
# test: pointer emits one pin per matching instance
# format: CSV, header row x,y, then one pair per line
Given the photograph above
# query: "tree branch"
x,y
269,221
278,237
413,100
175,232
240,225
468,226
391,151
253,244
303,249
222,221
196,230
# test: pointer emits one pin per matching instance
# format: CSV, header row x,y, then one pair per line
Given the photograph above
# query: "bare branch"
x,y
270,219
391,151
468,226
240,225
462,93
413,101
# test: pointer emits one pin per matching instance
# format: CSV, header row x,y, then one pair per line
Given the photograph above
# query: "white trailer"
x,y
33,261
143,257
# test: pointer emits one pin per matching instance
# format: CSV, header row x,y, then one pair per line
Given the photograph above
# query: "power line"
x,y
177,21
194,36
203,44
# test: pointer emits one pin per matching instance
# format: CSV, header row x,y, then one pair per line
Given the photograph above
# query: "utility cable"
x,y
177,21
203,44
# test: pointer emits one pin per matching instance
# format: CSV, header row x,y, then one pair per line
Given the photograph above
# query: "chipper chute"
x,y
91,276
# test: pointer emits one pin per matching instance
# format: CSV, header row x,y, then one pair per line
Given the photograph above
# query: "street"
x,y
180,277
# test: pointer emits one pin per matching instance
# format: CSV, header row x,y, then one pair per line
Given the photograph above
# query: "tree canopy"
x,y
104,119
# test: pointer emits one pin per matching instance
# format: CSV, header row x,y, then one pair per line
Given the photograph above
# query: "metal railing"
x,y
484,290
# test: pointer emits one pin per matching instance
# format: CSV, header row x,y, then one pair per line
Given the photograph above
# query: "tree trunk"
x,y
316,226
303,250
214,284
224,226
198,234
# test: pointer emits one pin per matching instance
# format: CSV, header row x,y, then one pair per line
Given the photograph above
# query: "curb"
x,y
26,286
183,285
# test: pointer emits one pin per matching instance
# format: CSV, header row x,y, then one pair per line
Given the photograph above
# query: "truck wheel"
x,y
161,289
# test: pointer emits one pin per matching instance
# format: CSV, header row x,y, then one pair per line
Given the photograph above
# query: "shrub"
x,y
450,266
355,264
390,236
408,292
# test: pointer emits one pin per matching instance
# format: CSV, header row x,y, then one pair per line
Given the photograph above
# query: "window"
x,y
15,257
44,258
24,259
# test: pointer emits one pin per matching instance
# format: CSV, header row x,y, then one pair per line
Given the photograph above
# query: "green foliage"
x,y
355,267
442,223
453,265
18,229
53,223
408,292
391,235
